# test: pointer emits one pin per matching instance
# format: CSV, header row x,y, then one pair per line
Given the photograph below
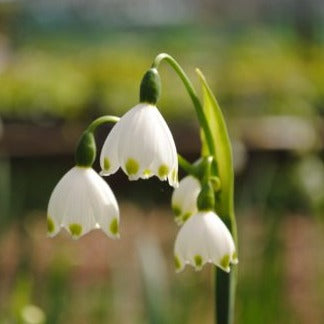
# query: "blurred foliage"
x,y
57,276
256,71
65,75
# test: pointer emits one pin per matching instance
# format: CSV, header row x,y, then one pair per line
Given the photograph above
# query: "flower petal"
x,y
184,198
80,202
109,154
204,238
104,204
142,144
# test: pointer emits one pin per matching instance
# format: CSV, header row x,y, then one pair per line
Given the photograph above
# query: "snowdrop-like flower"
x,y
142,145
204,238
83,201
184,199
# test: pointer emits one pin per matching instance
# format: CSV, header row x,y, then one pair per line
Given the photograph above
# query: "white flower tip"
x,y
104,173
180,216
198,262
179,265
51,232
106,169
75,230
173,179
132,167
234,258
178,221
227,269
114,229
147,173
163,172
224,263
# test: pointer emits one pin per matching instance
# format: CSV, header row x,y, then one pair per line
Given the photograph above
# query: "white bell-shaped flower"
x,y
142,145
204,238
184,199
80,202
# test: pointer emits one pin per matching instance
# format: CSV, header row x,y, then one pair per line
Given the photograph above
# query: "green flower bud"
x,y
206,198
85,153
150,89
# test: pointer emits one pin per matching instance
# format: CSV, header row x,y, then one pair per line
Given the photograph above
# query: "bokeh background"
x,y
63,63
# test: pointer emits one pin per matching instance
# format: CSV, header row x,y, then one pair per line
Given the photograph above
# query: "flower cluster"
x,y
141,144
203,236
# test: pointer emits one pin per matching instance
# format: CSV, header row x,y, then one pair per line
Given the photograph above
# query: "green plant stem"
x,y
192,93
86,150
224,292
224,283
102,120
186,165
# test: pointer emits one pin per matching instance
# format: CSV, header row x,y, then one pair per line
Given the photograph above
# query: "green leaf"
x,y
225,283
223,149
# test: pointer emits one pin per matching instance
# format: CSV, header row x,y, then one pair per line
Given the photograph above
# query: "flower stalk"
x,y
100,121
192,93
187,166
220,179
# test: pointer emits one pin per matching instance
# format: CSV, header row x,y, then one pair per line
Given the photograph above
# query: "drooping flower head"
x,y
204,238
141,142
80,202
184,199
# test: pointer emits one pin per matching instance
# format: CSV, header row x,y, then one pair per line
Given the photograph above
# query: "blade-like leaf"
x,y
226,283
223,149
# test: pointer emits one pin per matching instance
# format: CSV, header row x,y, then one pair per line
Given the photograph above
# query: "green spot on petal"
x,y
186,216
177,263
75,229
50,225
176,210
163,171
131,166
225,261
106,164
147,172
114,226
198,260
234,256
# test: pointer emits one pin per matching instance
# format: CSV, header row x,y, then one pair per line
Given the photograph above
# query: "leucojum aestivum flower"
x,y
141,144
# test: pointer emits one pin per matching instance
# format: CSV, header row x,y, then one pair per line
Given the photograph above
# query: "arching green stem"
x,y
217,144
86,150
187,166
102,120
192,93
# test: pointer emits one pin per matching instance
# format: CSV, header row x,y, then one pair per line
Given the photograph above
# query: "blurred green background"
x,y
64,63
